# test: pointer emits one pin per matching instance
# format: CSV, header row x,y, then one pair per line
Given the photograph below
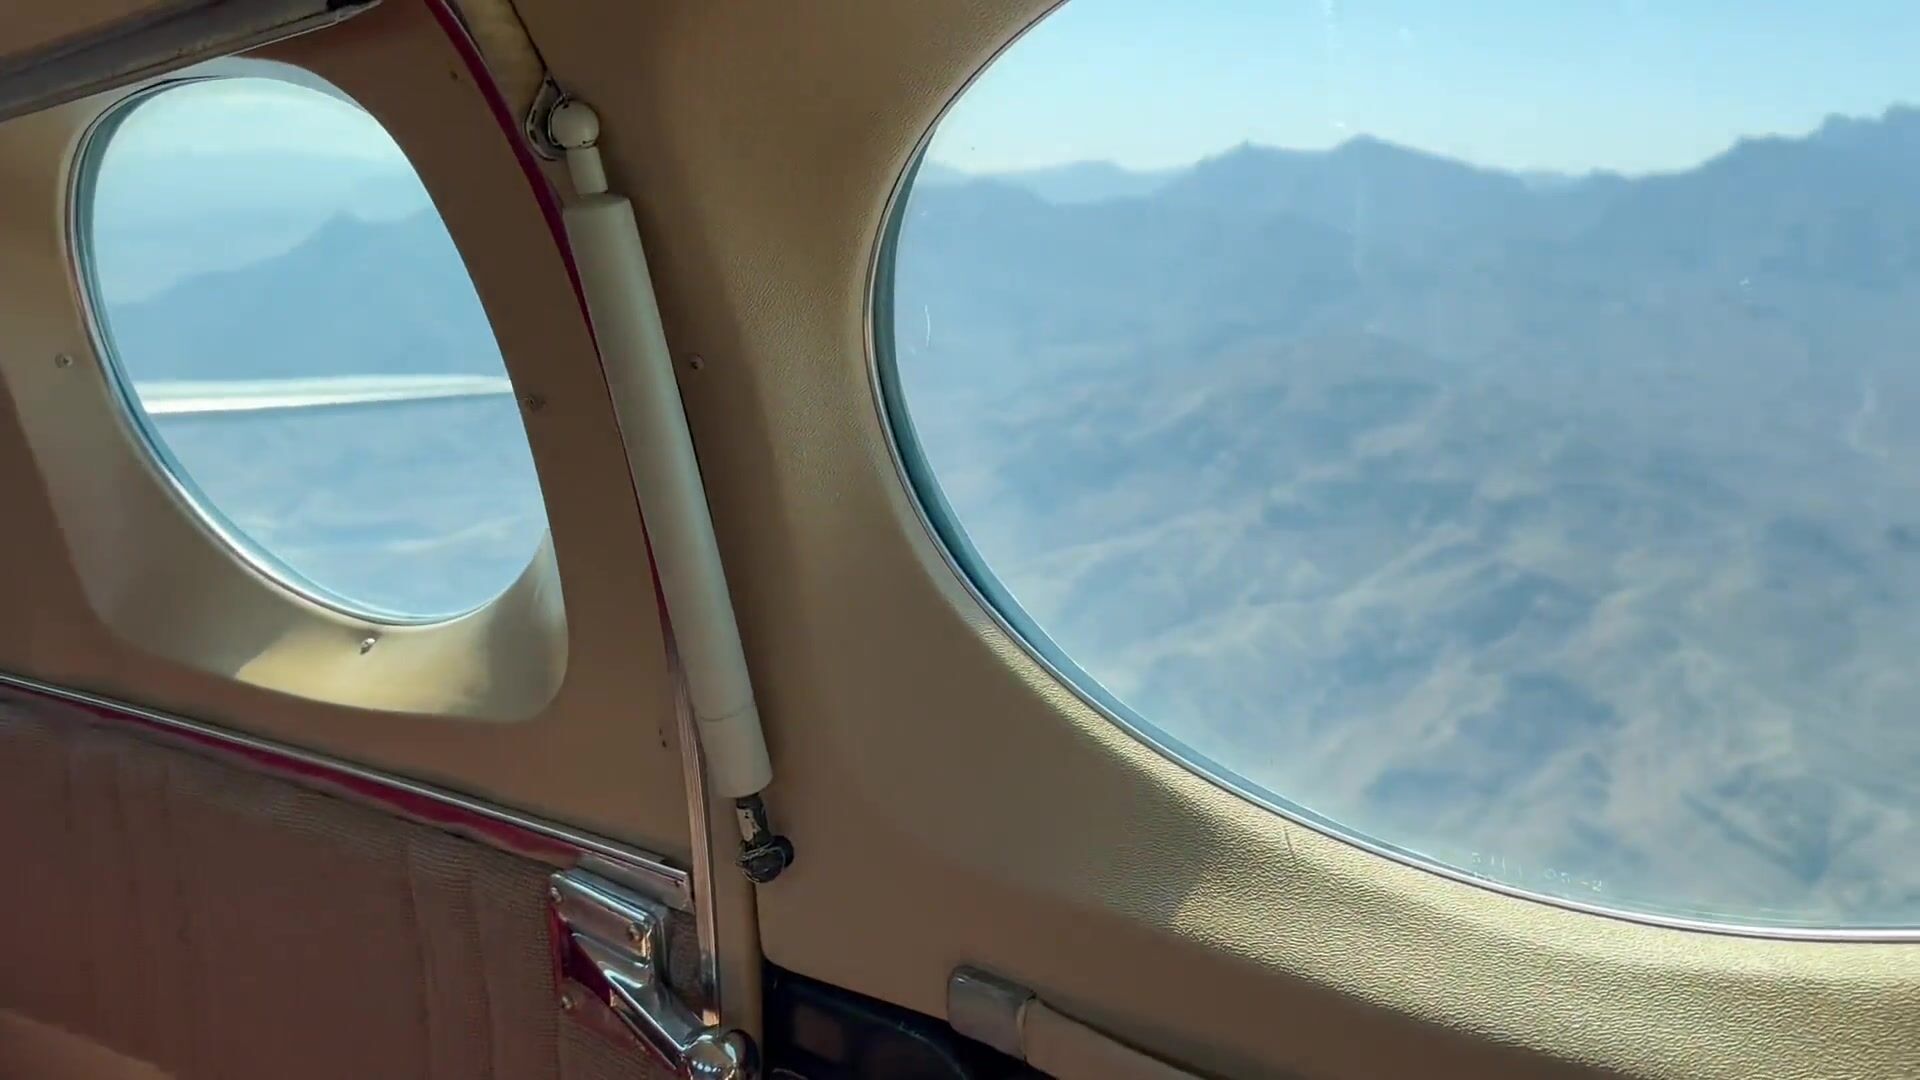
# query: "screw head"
x,y
553,893
696,362
63,360
635,935
567,1003
366,645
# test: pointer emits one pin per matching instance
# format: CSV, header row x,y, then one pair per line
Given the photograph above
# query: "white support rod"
x,y
653,422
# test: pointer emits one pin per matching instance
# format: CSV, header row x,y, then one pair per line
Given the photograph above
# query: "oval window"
x,y
1483,431
300,343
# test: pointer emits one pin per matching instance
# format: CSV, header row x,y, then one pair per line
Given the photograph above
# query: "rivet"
x,y
366,645
696,362
553,893
62,360
567,1004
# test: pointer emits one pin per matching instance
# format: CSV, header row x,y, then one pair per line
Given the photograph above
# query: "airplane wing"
x,y
195,397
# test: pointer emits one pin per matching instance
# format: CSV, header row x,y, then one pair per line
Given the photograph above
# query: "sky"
x,y
1556,85
1559,85
215,174
257,115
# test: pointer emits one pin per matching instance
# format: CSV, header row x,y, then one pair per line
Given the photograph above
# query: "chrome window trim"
x,y
949,537
705,904
639,869
82,175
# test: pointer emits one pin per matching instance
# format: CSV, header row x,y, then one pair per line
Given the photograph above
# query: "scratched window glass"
x,y
302,348
1486,431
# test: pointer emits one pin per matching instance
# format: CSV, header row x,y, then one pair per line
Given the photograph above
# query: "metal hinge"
x,y
988,1009
1013,1020
614,967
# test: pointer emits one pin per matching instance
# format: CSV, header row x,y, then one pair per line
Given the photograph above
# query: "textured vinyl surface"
x,y
50,26
952,802
187,913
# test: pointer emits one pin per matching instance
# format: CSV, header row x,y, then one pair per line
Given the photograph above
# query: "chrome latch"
x,y
988,1009
614,948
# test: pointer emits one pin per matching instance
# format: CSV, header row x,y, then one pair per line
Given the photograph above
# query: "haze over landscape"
x,y
1561,528
307,270
1556,523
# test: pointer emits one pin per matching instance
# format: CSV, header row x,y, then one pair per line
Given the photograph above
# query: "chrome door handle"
x,y
615,947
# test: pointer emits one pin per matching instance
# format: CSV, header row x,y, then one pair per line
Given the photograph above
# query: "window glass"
x,y
303,348
1486,430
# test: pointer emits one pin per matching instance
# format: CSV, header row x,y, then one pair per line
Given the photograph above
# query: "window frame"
x,y
82,179
984,589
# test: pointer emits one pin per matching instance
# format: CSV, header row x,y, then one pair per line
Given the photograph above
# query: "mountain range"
x,y
1564,531
1561,528
355,297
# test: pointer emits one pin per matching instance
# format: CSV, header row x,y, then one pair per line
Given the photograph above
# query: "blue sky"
x,y
254,115
1565,85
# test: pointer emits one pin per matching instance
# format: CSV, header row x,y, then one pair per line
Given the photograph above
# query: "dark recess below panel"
x,y
816,1031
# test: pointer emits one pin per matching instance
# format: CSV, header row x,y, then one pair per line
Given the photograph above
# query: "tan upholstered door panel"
x,y
210,917
211,921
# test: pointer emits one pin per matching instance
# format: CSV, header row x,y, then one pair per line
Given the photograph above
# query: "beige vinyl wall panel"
x,y
29,1048
554,699
953,803
32,28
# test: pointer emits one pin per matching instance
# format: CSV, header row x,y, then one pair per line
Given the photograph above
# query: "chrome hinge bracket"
x,y
613,950
536,124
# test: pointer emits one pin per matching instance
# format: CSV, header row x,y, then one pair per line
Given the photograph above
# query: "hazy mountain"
x,y
263,206
422,507
1563,528
354,297
1566,531
1075,182
1364,186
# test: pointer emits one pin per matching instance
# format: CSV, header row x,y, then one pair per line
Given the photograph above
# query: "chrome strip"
x,y
636,868
693,770
205,397
130,51
895,425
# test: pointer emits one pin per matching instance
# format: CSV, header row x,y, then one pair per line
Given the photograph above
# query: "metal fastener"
x,y
567,1004
62,360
